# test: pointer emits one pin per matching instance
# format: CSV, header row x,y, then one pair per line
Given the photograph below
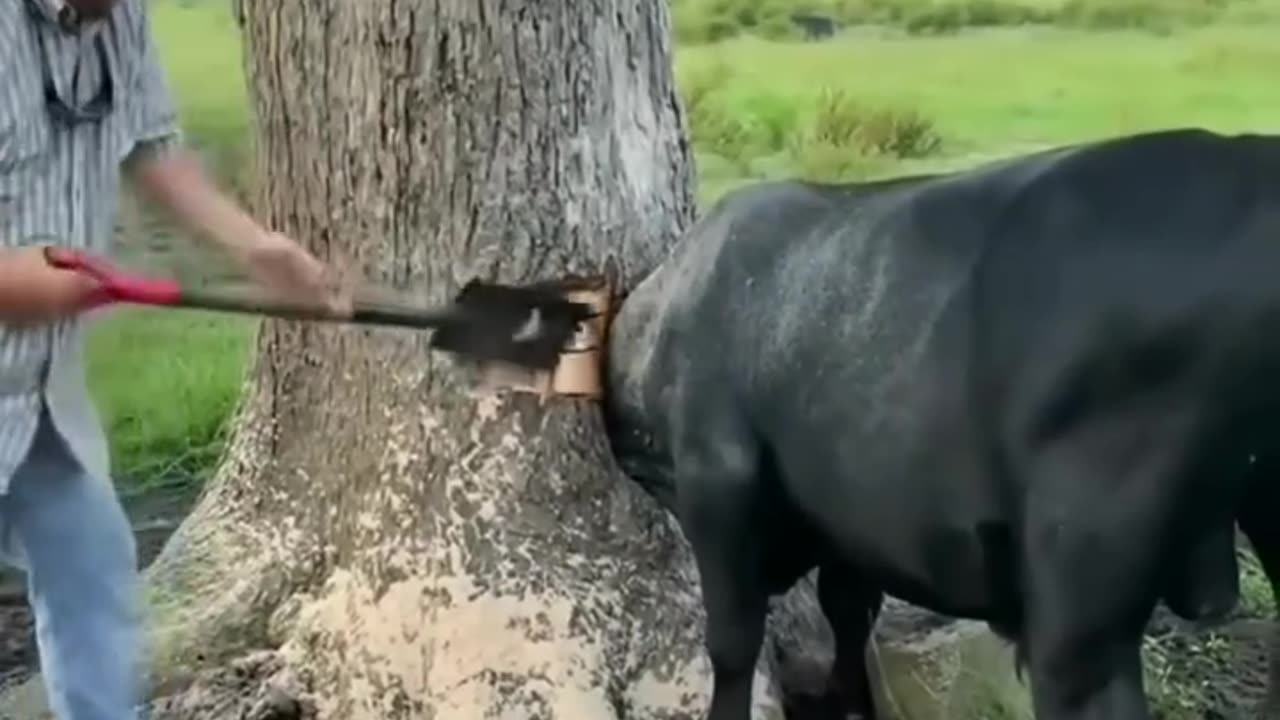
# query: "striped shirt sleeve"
x,y
155,117
9,88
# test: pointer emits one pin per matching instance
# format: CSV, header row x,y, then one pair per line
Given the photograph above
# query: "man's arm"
x,y
167,172
174,178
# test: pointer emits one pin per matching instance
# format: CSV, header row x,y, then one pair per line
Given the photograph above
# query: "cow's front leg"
x,y
1084,628
1094,524
1076,675
851,607
735,632
1258,521
722,512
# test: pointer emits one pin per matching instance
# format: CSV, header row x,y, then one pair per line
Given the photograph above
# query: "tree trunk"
x,y
399,547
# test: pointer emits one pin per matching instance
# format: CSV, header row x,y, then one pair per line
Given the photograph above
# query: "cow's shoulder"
x,y
747,227
770,219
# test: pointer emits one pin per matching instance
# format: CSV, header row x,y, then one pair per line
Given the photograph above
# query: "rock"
x,y
25,701
927,666
952,671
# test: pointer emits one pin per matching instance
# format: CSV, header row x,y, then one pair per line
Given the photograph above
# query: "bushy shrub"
x,y
702,21
1158,15
954,16
845,139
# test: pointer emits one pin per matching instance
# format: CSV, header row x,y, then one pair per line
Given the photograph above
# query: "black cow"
x,y
1030,393
815,27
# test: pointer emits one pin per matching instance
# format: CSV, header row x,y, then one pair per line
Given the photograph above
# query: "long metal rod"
x,y
363,312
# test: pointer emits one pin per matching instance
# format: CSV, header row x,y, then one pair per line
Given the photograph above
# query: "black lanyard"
x,y
62,109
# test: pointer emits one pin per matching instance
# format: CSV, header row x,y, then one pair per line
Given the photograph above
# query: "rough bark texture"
x,y
404,549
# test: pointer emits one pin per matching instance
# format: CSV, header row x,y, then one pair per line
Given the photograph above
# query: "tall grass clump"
x,y
1255,589
832,136
846,139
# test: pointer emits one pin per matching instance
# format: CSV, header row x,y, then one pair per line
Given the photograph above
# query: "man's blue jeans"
x,y
68,531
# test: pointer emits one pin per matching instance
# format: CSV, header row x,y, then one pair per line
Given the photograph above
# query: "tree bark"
x,y
400,548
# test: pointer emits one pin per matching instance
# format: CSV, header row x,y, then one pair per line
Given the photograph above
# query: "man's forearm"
x,y
173,178
176,181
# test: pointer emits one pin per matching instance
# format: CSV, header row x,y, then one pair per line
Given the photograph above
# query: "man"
x,y
83,98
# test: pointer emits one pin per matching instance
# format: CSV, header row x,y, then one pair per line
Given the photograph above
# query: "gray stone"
x,y
958,671
25,701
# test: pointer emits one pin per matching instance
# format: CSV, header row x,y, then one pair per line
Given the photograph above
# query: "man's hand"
x,y
33,291
286,270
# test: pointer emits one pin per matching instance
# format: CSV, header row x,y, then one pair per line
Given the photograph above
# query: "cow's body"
x,y
1026,393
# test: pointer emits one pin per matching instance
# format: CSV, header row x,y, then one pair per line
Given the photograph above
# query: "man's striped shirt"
x,y
59,184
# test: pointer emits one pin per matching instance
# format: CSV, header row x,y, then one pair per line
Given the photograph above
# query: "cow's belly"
x,y
920,539
904,498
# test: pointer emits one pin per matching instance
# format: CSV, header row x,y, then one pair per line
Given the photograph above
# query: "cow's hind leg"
x,y
1258,521
724,515
851,607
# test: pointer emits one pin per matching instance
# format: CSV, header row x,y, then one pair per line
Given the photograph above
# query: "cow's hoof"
x,y
822,707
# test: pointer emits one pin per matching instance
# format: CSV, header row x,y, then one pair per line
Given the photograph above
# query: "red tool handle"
x,y
114,285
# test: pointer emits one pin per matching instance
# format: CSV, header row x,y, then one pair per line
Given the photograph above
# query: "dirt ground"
x,y
17,642
1198,674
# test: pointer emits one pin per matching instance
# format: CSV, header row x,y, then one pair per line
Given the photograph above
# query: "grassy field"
x,y
910,84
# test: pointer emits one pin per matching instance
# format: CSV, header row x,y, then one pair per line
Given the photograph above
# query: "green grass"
x,y
200,44
987,93
902,91
166,382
